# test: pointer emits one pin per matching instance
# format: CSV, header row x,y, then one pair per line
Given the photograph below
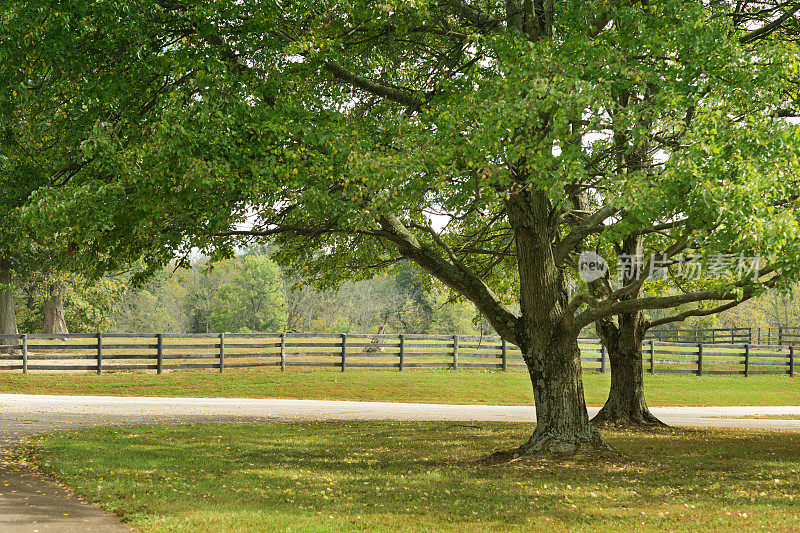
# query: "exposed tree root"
x,y
553,446
625,418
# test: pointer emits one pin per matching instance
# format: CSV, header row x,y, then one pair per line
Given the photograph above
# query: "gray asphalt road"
x,y
30,503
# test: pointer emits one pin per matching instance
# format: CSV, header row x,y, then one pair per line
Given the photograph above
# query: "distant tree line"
x,y
250,292
246,293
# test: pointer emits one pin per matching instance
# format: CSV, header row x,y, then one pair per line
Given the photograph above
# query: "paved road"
x,y
29,503
97,410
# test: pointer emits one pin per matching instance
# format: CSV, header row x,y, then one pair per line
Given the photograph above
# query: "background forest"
x,y
250,293
246,293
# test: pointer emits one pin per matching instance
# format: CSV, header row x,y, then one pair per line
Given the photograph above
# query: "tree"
x,y
341,128
624,334
44,303
8,319
48,107
54,321
87,306
252,300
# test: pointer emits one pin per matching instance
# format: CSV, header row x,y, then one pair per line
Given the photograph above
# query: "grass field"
x,y
434,386
390,476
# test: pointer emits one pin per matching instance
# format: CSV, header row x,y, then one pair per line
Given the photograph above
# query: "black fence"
x,y
763,336
114,352
710,335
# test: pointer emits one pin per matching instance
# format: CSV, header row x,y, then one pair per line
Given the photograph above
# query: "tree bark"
x,y
626,405
8,319
54,322
562,422
550,343
623,336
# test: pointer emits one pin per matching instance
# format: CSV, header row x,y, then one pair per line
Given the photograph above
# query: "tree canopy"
x,y
487,142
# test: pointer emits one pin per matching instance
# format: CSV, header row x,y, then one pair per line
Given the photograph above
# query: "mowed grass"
x,y
392,476
432,386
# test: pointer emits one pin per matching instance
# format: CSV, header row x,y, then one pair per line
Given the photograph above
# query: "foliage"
x,y
772,309
89,305
235,295
250,293
252,300
343,129
311,158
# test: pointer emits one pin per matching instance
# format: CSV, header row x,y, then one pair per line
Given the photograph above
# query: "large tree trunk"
x,y
8,319
549,343
625,405
54,322
562,423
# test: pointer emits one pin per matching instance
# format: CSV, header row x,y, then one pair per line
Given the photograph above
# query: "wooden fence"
x,y
763,336
708,335
158,352
777,335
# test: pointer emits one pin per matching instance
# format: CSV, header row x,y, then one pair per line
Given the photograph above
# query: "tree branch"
x,y
697,312
457,277
650,302
662,227
591,224
473,16
235,63
394,94
609,307
746,295
766,29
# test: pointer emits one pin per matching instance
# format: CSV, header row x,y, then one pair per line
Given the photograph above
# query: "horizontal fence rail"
x,y
709,335
768,336
108,352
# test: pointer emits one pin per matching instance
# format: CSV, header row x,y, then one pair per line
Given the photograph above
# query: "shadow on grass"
x,y
390,475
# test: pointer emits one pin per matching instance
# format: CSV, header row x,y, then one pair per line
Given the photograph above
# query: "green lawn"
x,y
436,386
390,476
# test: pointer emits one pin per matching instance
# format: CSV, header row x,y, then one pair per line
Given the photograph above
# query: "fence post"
x,y
221,352
746,360
780,336
402,351
283,351
602,357
791,361
344,350
455,352
699,358
159,353
652,358
25,353
99,353
505,354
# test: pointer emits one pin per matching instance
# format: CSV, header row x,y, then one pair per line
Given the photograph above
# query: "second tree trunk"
x,y
625,405
54,322
8,319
